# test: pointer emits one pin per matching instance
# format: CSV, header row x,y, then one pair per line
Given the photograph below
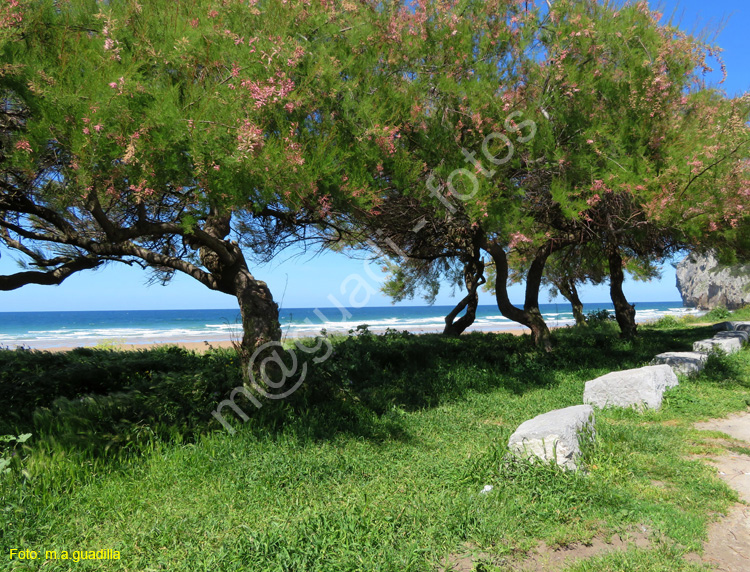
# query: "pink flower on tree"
x,y
517,238
249,138
23,145
270,91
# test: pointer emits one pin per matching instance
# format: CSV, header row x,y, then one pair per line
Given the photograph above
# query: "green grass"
x,y
376,463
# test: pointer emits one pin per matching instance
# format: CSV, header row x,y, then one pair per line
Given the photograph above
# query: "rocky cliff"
x,y
706,284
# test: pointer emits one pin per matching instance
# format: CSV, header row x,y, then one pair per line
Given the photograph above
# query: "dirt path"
x,y
728,546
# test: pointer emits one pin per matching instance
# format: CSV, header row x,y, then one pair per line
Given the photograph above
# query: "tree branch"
x,y
52,277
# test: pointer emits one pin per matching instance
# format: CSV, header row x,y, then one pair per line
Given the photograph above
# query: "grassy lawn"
x,y
376,463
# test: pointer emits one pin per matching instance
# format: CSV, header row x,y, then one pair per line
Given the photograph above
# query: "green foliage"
x,y
101,404
628,139
742,314
666,323
599,317
94,399
8,453
717,314
721,315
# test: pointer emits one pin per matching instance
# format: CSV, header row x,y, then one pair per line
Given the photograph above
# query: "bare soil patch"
x,y
545,558
553,559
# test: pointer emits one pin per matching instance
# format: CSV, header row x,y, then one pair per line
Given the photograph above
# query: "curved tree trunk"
x,y
624,311
258,311
222,267
530,316
538,326
567,288
474,278
455,328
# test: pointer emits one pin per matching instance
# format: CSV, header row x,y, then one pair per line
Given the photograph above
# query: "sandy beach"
x,y
201,346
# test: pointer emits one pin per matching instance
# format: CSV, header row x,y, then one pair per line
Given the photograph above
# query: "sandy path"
x,y
728,545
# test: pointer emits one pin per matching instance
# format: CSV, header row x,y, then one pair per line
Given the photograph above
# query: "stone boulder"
x,y
733,326
741,335
684,363
640,388
555,435
727,345
704,283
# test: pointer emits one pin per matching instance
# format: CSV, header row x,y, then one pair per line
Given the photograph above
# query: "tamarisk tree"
x,y
597,133
651,159
181,137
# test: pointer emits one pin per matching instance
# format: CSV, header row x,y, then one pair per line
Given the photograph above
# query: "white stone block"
x,y
683,363
729,346
555,435
642,387
741,335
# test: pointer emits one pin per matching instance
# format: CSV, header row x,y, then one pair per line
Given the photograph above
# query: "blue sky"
x,y
307,281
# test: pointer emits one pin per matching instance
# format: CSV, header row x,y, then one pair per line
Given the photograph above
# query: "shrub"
x,y
105,396
97,403
598,317
666,323
717,314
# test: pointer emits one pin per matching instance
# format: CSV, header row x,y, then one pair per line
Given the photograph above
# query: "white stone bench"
x,y
683,363
554,435
727,345
642,387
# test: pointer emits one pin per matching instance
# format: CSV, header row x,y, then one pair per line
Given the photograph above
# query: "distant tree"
x,y
564,272
439,250
651,159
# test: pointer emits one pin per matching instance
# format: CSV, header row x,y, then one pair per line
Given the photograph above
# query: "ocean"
x,y
43,330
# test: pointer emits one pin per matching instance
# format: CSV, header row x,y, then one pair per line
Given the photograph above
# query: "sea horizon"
x,y
86,328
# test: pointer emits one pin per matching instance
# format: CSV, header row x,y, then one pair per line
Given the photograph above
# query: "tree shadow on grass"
x,y
100,401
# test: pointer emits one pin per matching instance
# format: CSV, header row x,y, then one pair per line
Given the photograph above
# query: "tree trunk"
x,y
258,311
539,329
455,328
624,311
567,288
530,316
473,278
